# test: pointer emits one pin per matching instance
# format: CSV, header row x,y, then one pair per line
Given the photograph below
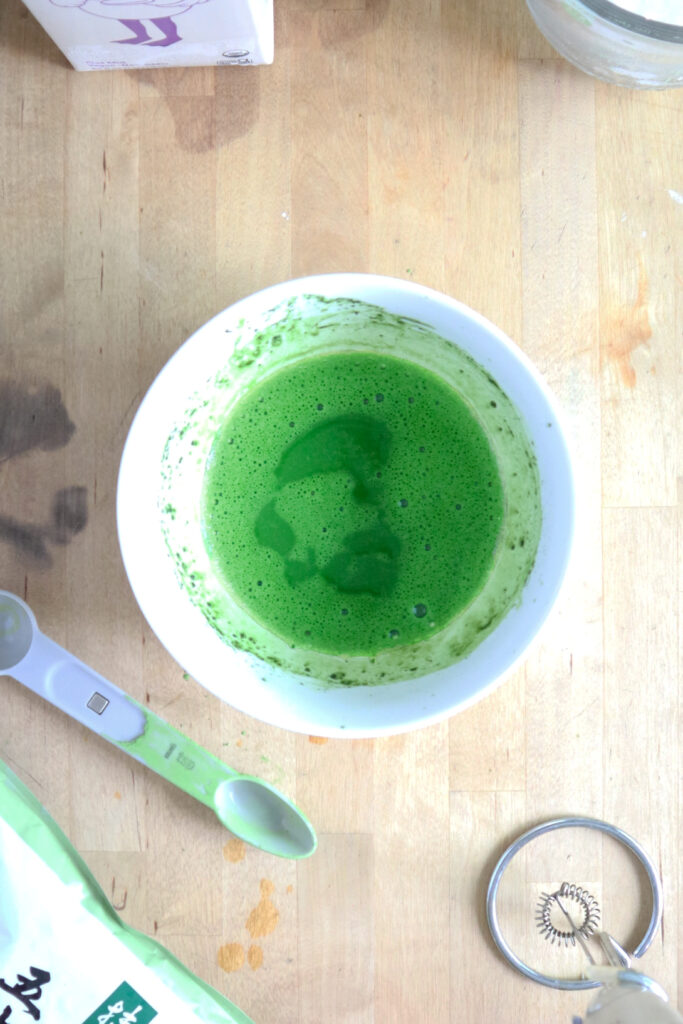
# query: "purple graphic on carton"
x,y
133,14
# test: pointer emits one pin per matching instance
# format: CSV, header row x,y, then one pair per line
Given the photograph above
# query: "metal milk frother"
x,y
571,915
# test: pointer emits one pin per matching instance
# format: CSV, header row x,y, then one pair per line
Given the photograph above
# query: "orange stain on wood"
x,y
234,850
255,957
317,739
626,328
117,795
290,888
264,917
231,957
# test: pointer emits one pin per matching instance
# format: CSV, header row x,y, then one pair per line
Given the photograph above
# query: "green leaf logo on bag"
x,y
123,1006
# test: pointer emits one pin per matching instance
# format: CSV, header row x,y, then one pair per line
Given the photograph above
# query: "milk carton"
x,y
108,34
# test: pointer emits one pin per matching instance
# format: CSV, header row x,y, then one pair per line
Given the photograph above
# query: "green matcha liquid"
x,y
352,503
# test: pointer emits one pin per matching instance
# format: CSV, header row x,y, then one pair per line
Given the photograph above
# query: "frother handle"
x,y
627,1004
79,690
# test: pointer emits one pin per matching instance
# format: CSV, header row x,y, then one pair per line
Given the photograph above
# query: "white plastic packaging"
x,y
109,34
65,955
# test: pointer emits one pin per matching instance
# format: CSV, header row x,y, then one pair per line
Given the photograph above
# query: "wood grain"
x,y
445,143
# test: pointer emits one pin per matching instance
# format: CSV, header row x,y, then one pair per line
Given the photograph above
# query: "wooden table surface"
x,y
442,142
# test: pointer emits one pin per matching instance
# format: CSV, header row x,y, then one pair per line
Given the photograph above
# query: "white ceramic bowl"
x,y
244,681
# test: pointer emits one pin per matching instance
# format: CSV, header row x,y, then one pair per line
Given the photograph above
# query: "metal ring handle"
x,y
551,826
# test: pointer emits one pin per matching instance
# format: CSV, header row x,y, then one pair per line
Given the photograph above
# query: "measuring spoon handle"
x,y
62,679
68,683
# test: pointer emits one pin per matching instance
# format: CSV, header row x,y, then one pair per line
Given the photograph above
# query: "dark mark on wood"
x,y
69,517
69,513
122,904
27,539
32,417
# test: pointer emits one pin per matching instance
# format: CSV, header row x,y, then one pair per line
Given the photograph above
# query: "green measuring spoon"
x,y
248,806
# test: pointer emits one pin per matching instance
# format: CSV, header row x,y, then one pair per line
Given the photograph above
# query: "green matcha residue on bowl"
x,y
351,498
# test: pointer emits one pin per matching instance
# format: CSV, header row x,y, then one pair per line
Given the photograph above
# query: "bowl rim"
x,y
374,289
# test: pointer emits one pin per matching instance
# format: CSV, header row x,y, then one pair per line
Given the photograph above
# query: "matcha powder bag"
x,y
65,956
